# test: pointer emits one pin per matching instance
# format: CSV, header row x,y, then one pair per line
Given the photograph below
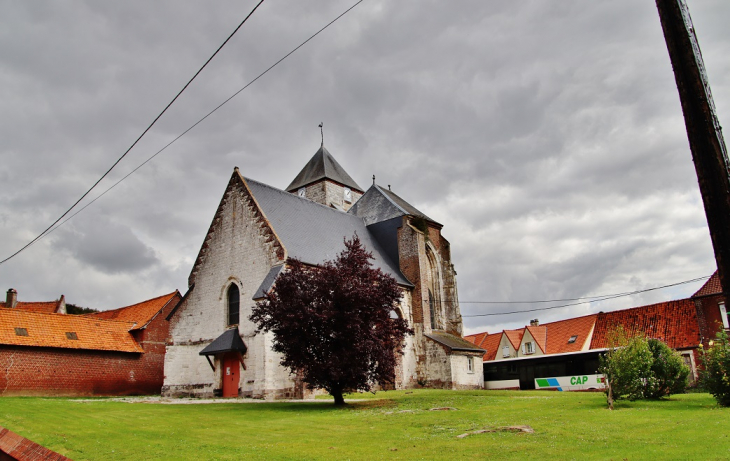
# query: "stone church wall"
x,y
238,250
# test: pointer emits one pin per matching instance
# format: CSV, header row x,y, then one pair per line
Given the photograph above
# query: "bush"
x,y
668,372
716,373
625,367
637,368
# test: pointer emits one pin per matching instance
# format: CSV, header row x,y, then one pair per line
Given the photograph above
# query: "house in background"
x,y
44,307
44,351
564,354
215,349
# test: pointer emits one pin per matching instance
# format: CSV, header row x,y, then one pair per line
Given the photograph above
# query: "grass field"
x,y
388,425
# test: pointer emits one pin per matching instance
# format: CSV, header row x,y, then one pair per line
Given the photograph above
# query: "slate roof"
x,y
229,341
50,330
268,282
453,342
45,307
379,204
323,166
711,287
315,233
674,322
141,313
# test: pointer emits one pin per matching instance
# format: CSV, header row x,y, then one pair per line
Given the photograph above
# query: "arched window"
x,y
432,308
433,282
234,298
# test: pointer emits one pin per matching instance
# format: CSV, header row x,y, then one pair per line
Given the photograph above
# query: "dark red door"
x,y
231,374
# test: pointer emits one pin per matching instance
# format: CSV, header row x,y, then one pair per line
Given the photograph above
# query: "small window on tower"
x,y
348,195
302,191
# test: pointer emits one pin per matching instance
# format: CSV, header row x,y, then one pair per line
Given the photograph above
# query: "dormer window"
x,y
505,352
528,348
348,195
572,339
302,192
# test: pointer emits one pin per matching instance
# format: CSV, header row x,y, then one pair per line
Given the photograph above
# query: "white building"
x,y
214,349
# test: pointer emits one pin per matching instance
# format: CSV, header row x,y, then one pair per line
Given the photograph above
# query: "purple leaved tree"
x,y
332,323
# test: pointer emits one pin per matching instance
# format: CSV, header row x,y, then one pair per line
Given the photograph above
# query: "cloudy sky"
x,y
547,137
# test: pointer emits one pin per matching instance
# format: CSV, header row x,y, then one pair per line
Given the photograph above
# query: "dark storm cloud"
x,y
106,246
547,137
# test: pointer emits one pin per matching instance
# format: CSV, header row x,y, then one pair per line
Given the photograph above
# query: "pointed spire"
x,y
323,166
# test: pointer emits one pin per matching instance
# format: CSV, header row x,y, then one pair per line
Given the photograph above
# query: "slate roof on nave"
x,y
314,233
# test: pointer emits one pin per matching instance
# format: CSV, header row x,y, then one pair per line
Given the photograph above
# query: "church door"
x,y
231,374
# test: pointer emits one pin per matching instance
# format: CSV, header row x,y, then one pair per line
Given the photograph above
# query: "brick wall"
x,y
55,371
708,316
68,372
16,447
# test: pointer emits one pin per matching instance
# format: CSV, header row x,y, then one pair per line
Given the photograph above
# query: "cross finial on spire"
x,y
321,131
373,180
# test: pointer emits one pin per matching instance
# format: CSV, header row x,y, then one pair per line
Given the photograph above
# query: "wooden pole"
x,y
703,129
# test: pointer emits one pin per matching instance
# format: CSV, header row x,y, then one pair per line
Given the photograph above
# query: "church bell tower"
x,y
324,181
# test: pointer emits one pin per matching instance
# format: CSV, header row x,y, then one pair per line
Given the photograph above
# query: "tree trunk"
x,y
609,394
339,399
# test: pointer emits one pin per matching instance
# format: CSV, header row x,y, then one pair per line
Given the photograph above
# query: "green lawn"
x,y
388,425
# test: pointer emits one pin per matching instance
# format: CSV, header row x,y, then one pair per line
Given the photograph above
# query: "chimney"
x,y
61,305
534,323
12,298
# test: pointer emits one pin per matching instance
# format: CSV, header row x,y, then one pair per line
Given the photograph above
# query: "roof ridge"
x,y
83,317
569,319
304,199
169,295
390,199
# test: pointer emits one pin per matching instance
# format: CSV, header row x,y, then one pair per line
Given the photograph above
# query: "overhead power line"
x,y
596,299
49,230
135,141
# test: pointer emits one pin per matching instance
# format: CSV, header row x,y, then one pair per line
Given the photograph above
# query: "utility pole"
x,y
703,129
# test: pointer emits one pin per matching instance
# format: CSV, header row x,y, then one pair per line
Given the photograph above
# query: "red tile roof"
x,y
515,337
539,333
46,307
558,334
491,344
711,287
477,338
141,313
674,322
23,328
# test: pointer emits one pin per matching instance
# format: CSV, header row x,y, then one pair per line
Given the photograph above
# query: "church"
x,y
213,348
